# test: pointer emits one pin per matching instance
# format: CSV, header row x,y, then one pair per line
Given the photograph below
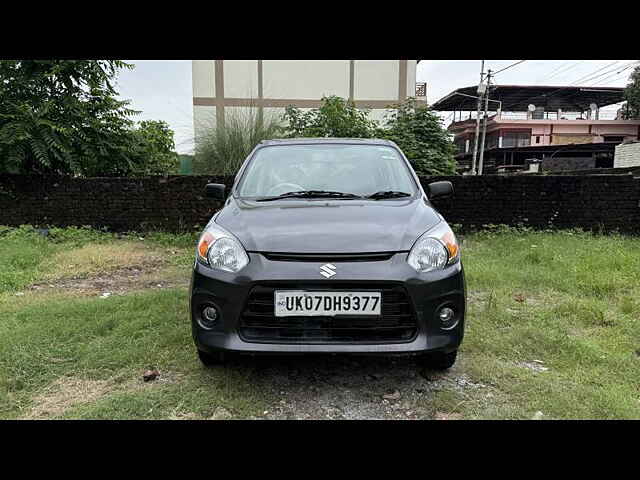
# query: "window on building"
x,y
537,138
613,138
516,139
460,144
492,140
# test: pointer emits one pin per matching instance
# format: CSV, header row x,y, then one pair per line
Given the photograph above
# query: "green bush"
x,y
420,135
336,117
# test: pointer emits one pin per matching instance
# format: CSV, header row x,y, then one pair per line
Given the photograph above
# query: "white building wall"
x,y
376,79
412,67
301,81
202,78
305,80
240,78
627,155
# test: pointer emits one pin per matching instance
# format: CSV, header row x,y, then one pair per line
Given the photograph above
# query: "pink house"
x,y
540,122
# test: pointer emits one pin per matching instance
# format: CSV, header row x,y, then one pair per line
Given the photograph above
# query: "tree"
x,y
631,110
154,149
336,117
63,117
420,135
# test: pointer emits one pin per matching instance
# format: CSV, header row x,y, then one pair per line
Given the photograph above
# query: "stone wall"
x,y
177,203
171,203
593,202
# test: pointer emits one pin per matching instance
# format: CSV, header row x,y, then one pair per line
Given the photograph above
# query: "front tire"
x,y
211,359
439,360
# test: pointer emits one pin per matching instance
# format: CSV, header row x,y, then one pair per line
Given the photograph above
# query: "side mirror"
x,y
439,189
215,190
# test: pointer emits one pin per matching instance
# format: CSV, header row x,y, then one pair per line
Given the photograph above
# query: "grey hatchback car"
x,y
328,246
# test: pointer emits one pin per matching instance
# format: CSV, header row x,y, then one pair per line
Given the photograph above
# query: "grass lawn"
x,y
553,332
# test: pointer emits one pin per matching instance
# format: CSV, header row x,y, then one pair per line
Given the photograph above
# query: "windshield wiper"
x,y
310,194
387,194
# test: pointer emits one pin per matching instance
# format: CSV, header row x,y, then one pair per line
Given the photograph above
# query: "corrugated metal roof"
x,y
516,98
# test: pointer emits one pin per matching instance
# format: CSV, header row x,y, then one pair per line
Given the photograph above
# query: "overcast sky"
x,y
161,89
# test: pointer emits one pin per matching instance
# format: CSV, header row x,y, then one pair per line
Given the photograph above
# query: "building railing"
x,y
602,115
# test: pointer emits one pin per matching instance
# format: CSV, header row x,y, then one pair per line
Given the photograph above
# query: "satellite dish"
x,y
531,107
593,107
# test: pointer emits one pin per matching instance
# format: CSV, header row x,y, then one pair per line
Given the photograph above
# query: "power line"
x,y
595,77
506,68
615,74
565,70
554,92
585,77
553,71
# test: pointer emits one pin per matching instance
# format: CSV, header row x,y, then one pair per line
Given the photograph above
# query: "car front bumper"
x,y
229,292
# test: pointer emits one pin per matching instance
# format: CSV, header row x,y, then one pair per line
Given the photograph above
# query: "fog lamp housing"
x,y
447,317
209,317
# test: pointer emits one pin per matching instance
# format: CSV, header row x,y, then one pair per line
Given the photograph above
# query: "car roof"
x,y
326,140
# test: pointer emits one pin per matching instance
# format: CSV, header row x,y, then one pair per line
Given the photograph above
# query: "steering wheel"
x,y
284,188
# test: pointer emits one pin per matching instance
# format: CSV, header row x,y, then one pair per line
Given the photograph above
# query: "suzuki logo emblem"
x,y
327,270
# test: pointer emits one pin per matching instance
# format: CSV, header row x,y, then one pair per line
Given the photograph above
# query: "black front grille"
x,y
329,257
397,323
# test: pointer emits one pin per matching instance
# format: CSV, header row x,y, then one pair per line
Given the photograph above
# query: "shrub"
x,y
420,135
336,117
222,148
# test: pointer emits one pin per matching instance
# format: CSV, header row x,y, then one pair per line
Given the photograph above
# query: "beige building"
x,y
224,86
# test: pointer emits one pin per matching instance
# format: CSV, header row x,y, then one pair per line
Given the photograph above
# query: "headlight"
x,y
220,250
435,249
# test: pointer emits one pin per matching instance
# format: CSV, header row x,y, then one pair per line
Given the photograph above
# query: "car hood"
x,y
327,226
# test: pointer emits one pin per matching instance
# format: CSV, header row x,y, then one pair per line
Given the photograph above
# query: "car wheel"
x,y
439,360
211,359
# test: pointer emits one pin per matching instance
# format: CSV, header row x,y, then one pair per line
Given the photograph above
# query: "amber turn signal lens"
x,y
451,243
203,246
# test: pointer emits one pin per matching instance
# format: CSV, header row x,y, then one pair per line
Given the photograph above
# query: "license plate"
x,y
290,303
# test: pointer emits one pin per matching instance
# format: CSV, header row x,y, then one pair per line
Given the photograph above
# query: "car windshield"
x,y
361,170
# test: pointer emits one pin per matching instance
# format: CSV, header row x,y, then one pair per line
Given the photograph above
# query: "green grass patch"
x,y
113,340
567,299
552,327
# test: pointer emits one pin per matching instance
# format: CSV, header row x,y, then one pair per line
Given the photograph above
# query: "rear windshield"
x,y
358,169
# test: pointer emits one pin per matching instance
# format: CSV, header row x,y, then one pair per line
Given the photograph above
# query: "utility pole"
x,y
475,143
484,123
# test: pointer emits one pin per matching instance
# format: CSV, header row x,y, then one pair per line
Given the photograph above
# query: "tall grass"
x,y
221,149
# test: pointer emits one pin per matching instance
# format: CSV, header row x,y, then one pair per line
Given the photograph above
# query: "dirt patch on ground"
x,y
120,281
111,269
339,387
65,393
